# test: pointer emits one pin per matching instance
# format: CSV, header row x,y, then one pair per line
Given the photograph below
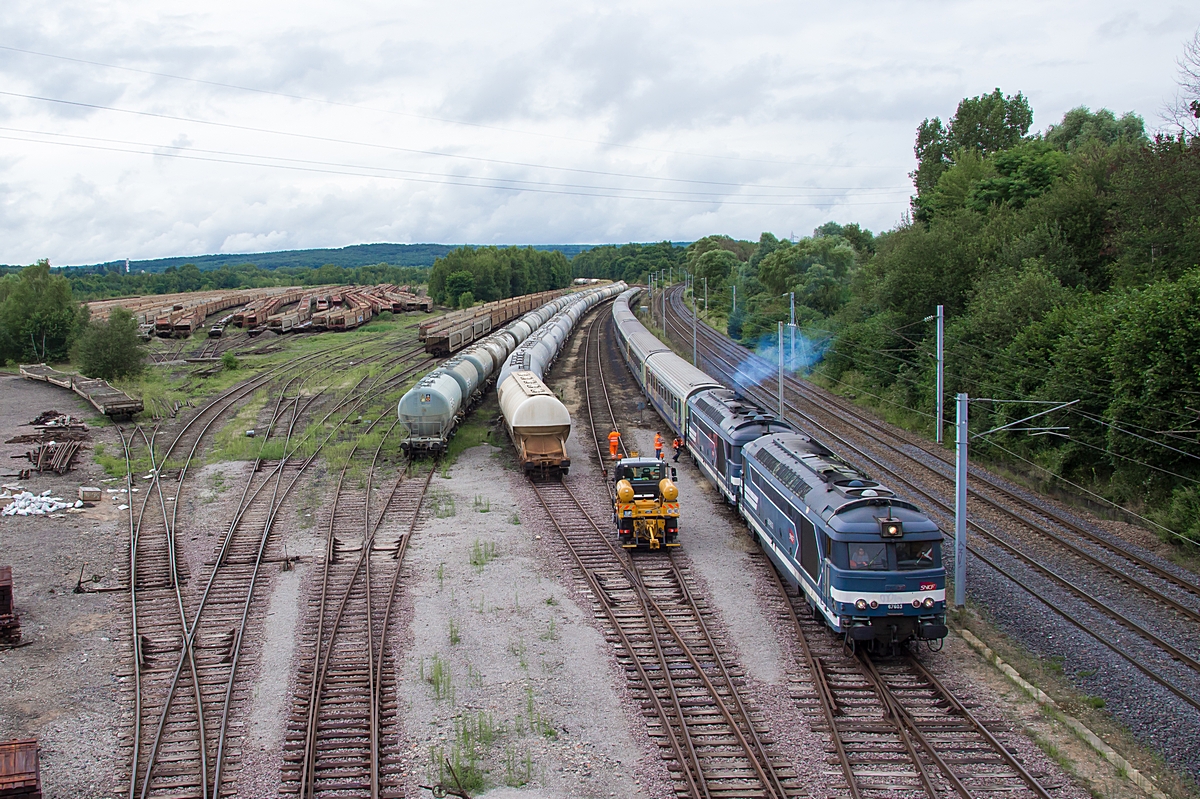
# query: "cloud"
x,y
706,97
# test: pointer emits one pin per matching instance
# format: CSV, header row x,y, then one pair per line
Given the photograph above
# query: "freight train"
x,y
537,422
432,409
868,563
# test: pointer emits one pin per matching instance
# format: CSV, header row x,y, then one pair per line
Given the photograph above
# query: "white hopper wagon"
x,y
537,422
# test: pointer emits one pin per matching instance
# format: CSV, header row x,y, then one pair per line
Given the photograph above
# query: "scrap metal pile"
x,y
59,439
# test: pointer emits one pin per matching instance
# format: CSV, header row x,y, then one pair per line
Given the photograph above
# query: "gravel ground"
x,y
62,687
515,647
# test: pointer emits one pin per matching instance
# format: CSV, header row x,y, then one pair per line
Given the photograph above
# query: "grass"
x,y
515,518
482,504
442,502
518,649
551,633
439,677
455,635
482,553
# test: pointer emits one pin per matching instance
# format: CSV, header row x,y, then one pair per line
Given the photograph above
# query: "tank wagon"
x,y
868,562
433,408
537,422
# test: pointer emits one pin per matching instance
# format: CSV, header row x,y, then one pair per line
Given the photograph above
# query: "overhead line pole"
x,y
781,370
960,503
941,368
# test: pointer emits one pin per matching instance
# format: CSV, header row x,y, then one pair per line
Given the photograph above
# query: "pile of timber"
x,y
53,456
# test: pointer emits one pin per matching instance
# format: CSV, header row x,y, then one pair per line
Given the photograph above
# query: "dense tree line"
x,y
629,262
1067,263
471,274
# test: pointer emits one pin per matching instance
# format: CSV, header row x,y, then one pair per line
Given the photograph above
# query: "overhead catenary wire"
x,y
431,118
373,145
1093,494
366,168
313,169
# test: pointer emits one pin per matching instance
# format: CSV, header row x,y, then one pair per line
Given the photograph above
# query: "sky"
x,y
145,130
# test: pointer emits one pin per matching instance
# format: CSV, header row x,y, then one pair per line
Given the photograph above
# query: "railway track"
x,y
1173,665
893,726
710,735
342,737
187,637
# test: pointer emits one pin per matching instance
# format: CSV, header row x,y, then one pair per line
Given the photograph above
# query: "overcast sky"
x,y
144,130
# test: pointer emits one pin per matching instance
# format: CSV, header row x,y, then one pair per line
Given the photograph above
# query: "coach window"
x,y
868,557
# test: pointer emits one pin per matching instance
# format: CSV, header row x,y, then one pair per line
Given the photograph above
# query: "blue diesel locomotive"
x,y
868,563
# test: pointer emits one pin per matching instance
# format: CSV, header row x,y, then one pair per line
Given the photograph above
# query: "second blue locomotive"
x,y
869,563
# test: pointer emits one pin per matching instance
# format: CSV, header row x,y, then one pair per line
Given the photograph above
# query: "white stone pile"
x,y
27,503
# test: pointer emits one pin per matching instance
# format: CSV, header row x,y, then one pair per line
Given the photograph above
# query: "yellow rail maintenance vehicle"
x,y
646,507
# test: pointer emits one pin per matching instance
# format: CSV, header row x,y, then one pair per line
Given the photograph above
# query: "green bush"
x,y
110,349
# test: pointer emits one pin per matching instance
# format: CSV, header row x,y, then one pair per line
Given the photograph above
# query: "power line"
x,y
189,148
448,182
480,125
389,147
1091,493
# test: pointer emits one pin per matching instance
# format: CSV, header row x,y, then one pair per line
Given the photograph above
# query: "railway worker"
x,y
678,445
614,441
658,445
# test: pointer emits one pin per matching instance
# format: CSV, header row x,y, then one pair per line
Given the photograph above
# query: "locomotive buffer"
x,y
646,504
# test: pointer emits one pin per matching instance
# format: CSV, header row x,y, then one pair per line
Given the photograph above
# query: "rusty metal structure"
x,y
20,775
10,625
103,397
453,331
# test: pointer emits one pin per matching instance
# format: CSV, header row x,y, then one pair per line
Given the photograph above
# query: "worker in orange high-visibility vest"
x,y
658,444
614,441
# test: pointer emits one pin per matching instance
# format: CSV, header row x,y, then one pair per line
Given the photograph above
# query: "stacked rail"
x,y
103,397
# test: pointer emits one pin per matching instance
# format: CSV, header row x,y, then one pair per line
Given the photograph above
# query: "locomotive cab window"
x,y
917,555
868,557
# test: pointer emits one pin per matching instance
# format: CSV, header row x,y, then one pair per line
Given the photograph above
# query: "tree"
x,y
111,349
1080,126
458,283
983,125
1184,110
466,299
39,319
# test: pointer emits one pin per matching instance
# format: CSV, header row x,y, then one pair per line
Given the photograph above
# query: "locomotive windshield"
x,y
645,472
868,557
915,555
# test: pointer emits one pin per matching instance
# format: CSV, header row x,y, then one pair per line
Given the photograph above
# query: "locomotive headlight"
x,y
928,601
916,603
861,604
